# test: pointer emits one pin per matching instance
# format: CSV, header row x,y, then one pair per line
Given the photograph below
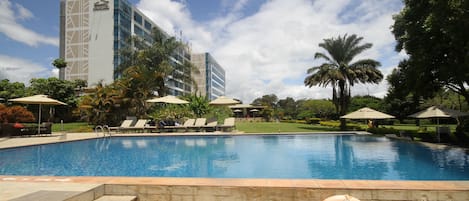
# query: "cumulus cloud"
x,y
10,14
20,70
269,51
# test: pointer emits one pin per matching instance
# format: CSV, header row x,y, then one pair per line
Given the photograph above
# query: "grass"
x,y
273,127
263,127
74,127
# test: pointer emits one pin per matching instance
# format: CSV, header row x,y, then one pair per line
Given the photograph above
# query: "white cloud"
x,y
23,13
270,51
20,70
9,26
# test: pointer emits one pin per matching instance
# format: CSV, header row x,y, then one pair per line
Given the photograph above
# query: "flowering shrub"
x,y
15,114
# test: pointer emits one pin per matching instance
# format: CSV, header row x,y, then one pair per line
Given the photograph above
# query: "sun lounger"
x,y
125,124
139,126
199,124
210,127
185,126
228,124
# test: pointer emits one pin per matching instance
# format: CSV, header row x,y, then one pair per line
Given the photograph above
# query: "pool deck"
x,y
12,187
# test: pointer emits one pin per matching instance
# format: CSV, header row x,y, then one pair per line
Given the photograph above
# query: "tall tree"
x,y
155,61
341,72
434,35
270,103
60,63
9,90
62,90
288,108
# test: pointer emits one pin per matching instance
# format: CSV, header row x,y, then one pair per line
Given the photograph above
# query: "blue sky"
x,y
265,46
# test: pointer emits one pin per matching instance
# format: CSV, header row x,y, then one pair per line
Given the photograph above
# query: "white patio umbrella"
x,y
40,100
437,112
367,113
168,99
222,100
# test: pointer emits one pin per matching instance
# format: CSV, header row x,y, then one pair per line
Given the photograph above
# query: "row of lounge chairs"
x,y
199,124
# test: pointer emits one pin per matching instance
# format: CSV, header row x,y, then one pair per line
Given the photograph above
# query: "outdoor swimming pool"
x,y
318,156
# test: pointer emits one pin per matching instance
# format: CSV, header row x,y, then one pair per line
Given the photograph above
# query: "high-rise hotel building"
x,y
211,79
92,32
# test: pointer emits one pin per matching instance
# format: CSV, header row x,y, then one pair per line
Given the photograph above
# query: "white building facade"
x,y
211,79
92,33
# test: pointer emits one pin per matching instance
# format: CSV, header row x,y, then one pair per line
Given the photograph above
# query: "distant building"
x,y
211,79
92,32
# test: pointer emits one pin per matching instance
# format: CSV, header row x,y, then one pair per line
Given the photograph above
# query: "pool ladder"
x,y
104,129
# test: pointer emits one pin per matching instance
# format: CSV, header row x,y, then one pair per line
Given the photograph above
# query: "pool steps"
x,y
98,194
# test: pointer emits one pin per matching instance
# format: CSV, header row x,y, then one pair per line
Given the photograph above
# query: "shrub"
x,y
313,120
336,124
461,136
3,110
19,114
15,114
330,123
382,131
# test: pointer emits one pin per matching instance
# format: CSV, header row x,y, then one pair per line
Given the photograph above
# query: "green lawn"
x,y
261,127
72,127
273,127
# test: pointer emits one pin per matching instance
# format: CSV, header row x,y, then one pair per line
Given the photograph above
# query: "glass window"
x,y
138,18
147,25
138,31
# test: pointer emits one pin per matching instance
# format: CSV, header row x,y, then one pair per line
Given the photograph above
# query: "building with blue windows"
x,y
211,77
92,33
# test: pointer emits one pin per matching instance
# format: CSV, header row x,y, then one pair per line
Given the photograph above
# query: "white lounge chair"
x,y
228,124
125,124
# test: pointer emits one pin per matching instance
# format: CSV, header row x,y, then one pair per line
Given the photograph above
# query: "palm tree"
x,y
341,72
154,60
60,63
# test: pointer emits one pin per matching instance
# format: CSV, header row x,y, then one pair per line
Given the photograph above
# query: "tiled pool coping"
x,y
244,189
287,183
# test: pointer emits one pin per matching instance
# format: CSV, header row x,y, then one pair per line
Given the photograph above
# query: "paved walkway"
x,y
9,142
14,189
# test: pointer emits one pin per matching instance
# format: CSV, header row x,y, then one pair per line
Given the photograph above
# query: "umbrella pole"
x,y
438,129
39,122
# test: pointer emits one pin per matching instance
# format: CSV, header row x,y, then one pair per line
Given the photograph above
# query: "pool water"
x,y
318,156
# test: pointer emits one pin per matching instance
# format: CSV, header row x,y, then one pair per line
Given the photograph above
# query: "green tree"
x,y
9,90
288,108
60,63
316,109
199,105
62,90
341,72
434,35
154,61
358,102
270,103
104,106
400,101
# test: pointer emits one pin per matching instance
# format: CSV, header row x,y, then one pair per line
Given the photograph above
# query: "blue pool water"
x,y
261,156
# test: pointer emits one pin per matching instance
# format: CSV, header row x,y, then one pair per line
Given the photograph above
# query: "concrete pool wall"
x,y
207,189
